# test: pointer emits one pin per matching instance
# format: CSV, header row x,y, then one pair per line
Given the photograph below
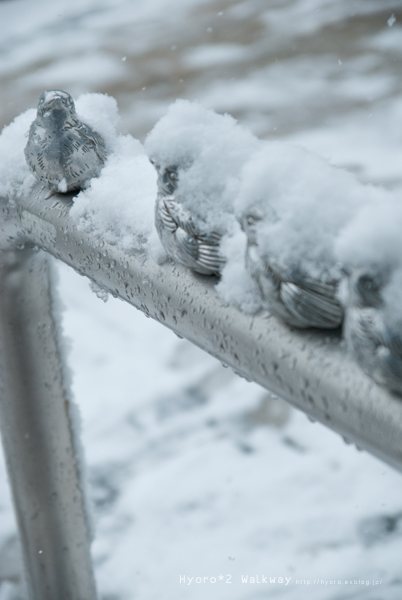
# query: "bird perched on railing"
x,y
299,299
370,247
291,204
198,155
372,329
185,238
63,152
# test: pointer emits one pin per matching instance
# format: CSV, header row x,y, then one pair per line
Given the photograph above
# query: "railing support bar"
x,y
37,434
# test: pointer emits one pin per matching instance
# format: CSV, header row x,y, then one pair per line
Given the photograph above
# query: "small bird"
x,y
63,152
373,337
292,204
297,298
185,238
198,155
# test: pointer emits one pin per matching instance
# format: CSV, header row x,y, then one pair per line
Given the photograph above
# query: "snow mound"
x,y
373,236
236,285
372,241
209,150
101,113
311,216
305,203
118,206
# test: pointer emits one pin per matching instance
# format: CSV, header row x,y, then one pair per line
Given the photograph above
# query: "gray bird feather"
x,y
63,152
290,294
374,340
185,240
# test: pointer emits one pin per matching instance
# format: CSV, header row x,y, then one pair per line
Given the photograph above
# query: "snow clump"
x,y
118,207
372,240
209,151
305,203
373,236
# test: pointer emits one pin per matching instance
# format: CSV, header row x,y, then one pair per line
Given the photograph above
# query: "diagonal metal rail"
x,y
311,370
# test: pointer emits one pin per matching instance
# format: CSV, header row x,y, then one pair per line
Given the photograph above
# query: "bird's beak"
x,y
57,101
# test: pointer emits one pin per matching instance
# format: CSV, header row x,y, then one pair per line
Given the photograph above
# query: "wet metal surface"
x,y
311,370
38,436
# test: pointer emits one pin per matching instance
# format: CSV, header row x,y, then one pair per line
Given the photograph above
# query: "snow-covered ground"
x,y
195,473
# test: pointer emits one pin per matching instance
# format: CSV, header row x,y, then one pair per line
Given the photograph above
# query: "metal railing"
x,y
309,369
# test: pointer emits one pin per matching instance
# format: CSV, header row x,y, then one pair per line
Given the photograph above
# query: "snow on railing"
x,y
309,368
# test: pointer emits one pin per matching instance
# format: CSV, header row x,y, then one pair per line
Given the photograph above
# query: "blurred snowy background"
x,y
194,472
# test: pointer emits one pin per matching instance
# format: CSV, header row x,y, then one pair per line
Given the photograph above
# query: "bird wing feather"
x,y
212,238
168,221
202,247
209,256
312,308
180,215
93,138
186,243
313,284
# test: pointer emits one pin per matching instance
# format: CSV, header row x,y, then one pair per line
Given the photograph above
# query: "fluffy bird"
x,y
198,155
297,298
291,205
372,330
63,152
185,238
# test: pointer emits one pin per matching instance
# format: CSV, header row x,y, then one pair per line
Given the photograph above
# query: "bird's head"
x,y
168,178
55,103
366,287
249,223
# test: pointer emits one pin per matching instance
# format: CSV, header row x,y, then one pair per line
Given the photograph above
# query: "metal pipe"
x,y
311,370
38,436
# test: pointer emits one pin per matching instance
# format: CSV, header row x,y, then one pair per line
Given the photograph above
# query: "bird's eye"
x,y
368,284
172,174
250,220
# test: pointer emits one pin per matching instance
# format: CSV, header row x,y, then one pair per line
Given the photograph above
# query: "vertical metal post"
x,y
37,434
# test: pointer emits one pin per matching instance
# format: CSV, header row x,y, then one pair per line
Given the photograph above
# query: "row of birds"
x,y
198,156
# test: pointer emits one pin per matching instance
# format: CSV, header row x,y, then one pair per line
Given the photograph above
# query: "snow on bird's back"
x,y
372,241
118,207
305,203
209,150
101,113
374,235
